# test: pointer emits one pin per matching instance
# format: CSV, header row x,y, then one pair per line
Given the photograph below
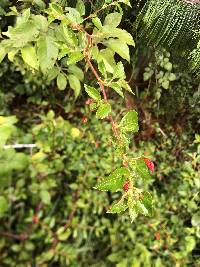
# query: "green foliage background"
x,y
50,187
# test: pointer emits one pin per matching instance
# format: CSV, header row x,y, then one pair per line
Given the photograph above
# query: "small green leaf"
x,y
140,169
97,23
29,56
107,55
75,57
113,19
119,47
117,89
76,71
129,122
45,197
92,92
80,7
103,110
52,74
73,15
115,181
196,219
61,81
74,84
119,71
47,53
41,22
118,207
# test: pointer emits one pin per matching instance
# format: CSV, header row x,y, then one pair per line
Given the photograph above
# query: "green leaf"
x,y
115,181
21,35
41,22
80,7
74,57
113,19
45,197
52,74
29,56
47,53
103,110
3,205
76,71
132,213
97,23
119,47
68,35
118,207
74,84
122,35
92,92
124,84
107,55
73,15
2,53
61,81
189,243
140,169
196,219
20,161
117,89
147,201
129,122
119,71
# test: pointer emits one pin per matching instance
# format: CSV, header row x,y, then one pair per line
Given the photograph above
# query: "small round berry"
x,y
84,120
149,164
126,186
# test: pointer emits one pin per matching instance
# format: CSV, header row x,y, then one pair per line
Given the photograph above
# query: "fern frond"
x,y
170,23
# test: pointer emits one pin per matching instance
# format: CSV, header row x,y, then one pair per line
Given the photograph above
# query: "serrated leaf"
x,y
61,81
118,207
92,92
80,7
121,34
117,89
147,201
76,71
107,55
129,122
124,84
41,22
29,56
103,110
113,19
119,71
119,47
47,53
133,214
140,169
74,84
21,35
97,23
74,57
115,181
73,15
